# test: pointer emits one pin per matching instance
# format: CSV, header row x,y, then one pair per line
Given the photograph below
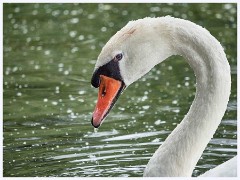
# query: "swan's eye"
x,y
118,57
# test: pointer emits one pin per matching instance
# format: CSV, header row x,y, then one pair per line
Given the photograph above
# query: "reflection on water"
x,y
49,55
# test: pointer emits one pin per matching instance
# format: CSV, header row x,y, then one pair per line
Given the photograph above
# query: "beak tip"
x,y
95,125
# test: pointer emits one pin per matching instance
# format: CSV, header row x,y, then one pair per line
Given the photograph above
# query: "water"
x,y
49,55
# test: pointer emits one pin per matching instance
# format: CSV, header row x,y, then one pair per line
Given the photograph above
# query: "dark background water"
x,y
49,54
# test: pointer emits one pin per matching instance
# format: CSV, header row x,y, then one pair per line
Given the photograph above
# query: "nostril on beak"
x,y
104,91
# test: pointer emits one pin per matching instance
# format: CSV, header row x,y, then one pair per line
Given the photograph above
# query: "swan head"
x,y
127,56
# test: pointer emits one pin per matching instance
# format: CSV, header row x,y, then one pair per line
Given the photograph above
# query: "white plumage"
x,y
149,41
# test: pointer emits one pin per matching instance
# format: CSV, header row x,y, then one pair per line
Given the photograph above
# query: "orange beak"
x,y
109,90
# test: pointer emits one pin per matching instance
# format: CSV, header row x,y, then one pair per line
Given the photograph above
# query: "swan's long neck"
x,y
180,152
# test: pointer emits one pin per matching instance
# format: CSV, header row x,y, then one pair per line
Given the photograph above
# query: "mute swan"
x,y
135,50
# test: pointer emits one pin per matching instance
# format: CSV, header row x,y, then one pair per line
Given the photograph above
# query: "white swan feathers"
x,y
135,50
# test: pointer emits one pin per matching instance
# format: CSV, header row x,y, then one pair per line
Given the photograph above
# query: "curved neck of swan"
x,y
178,155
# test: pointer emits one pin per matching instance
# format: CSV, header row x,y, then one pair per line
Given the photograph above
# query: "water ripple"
x,y
136,136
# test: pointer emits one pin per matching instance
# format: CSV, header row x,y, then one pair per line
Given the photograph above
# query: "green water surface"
x,y
49,53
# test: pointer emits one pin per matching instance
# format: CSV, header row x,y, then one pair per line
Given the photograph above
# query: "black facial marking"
x,y
111,69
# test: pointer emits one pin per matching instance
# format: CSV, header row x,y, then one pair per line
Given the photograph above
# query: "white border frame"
x,y
112,1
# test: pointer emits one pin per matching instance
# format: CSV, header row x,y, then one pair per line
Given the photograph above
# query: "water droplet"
x,y
81,92
34,12
121,108
69,111
36,67
169,68
218,16
74,20
66,72
14,69
72,34
10,16
74,12
56,13
124,12
157,122
47,52
81,100
39,48
146,107
17,10
54,103
60,65
81,37
103,29
71,97
155,9
144,98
